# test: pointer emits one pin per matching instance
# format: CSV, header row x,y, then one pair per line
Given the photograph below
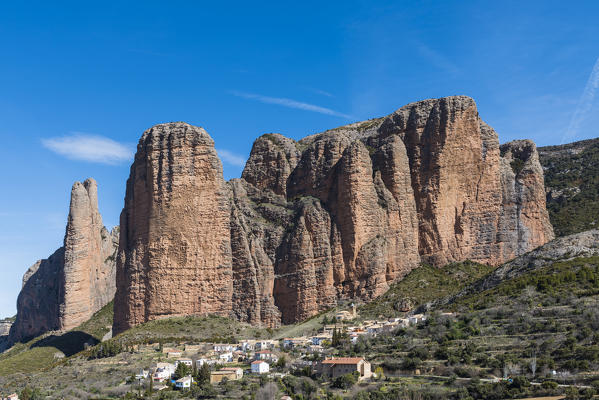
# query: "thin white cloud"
x,y
281,101
584,105
92,148
231,158
437,59
321,92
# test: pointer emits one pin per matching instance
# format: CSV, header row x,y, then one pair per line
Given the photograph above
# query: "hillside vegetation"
x,y
425,284
572,183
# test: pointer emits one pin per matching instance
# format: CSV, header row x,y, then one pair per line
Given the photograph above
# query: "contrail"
x,y
584,104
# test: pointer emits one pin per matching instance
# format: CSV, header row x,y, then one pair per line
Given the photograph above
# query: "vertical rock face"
x,y
524,222
175,248
38,303
337,215
272,159
89,270
67,288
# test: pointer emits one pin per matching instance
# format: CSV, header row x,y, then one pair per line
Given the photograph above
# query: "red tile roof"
x,y
343,360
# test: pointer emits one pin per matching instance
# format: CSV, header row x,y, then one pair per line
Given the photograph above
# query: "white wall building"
x,y
260,367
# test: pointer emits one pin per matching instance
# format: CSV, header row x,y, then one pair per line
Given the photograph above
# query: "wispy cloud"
x,y
584,105
437,59
281,101
320,92
231,158
87,147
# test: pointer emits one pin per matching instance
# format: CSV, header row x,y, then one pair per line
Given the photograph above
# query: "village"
x,y
221,362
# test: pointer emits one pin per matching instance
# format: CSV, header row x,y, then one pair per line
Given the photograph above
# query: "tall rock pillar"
x,y
175,247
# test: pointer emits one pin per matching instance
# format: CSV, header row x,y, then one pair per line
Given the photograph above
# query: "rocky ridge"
x,y
67,288
340,214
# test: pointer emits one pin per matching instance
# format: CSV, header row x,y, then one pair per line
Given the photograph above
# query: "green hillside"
x,y
572,181
47,350
425,284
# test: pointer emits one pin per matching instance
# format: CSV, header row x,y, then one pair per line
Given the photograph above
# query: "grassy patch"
x,y
425,284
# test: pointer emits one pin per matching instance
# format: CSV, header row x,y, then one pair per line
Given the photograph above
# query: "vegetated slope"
x,y
572,184
47,350
425,284
541,316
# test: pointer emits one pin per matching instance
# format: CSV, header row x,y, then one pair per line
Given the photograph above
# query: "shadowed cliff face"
x,y
340,214
66,289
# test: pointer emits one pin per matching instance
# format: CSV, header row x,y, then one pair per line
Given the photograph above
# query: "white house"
x,y
186,361
260,367
417,318
184,383
266,355
265,344
226,357
163,371
224,347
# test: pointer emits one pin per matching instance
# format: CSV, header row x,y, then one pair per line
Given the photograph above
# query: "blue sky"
x,y
80,82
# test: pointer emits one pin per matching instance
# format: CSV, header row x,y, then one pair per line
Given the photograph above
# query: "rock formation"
x,y
175,250
341,214
67,288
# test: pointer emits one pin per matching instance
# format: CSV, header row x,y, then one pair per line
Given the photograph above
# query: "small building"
x,y
232,374
375,329
225,357
173,353
266,355
317,340
260,367
13,396
184,383
335,367
265,344
163,371
186,361
417,318
224,347
315,348
202,361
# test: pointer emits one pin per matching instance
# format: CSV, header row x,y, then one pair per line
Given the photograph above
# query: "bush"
x,y
346,381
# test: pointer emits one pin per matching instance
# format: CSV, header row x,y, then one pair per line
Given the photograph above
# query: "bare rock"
x,y
271,161
338,215
175,247
89,259
66,289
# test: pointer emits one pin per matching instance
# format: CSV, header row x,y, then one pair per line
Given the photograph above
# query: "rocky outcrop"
x,y
524,223
341,214
88,276
66,289
175,248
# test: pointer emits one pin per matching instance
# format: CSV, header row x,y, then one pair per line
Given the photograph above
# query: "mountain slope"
x,y
572,184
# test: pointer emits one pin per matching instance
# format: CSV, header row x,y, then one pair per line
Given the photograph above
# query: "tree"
x,y
203,374
380,375
267,392
281,362
181,371
346,381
